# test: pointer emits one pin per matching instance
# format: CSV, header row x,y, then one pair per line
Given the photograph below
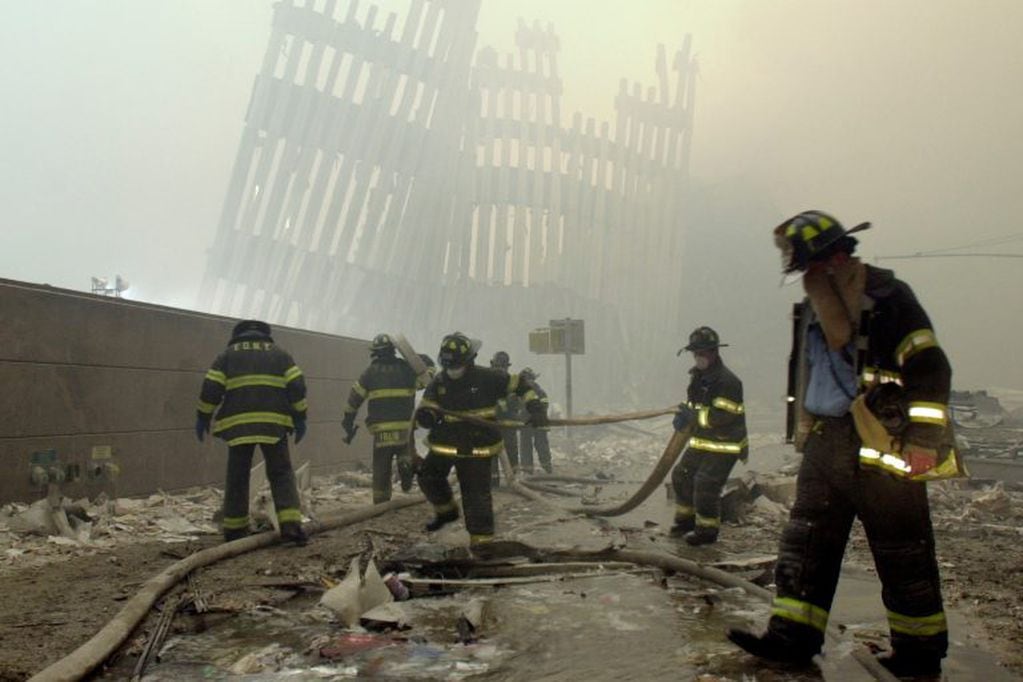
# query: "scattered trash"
x,y
389,616
399,590
470,621
355,595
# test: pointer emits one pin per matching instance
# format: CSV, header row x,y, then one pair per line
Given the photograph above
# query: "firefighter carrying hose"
x,y
261,394
871,386
464,387
715,410
509,408
389,386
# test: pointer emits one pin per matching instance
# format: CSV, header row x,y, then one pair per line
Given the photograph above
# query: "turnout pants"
x,y
278,472
388,446
529,437
474,482
832,490
698,479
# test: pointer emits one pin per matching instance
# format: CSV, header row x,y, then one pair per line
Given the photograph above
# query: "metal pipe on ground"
x,y
104,643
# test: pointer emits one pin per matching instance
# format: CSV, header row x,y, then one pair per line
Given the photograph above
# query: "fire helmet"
x,y
812,235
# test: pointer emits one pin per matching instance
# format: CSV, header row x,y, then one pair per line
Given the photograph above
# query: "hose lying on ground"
x,y
104,643
668,457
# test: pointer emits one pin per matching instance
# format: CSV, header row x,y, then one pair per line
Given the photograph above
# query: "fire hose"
x,y
664,464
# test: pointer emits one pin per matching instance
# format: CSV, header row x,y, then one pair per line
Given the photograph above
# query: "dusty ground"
x,y
54,597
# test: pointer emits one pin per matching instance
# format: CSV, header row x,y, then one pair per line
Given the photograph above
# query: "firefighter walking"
x,y
470,448
715,411
261,395
871,387
389,386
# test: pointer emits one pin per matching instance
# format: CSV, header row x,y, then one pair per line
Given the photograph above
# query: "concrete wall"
x,y
80,372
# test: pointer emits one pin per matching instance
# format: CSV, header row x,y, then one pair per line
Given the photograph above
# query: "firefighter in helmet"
x,y
509,408
715,412
530,436
869,390
389,386
464,389
260,392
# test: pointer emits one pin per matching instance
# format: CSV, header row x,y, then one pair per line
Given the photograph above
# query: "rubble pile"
x,y
29,537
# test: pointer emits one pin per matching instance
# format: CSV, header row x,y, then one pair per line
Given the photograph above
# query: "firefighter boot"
x,y
773,647
406,474
292,531
701,536
904,665
441,520
682,527
231,534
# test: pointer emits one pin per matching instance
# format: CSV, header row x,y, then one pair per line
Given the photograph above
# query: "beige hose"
x,y
575,421
104,643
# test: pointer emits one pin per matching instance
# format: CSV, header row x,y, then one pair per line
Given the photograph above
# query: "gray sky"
x,y
121,120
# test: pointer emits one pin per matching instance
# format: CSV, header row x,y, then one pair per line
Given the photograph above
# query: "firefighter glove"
x,y
299,429
427,418
683,418
202,427
348,424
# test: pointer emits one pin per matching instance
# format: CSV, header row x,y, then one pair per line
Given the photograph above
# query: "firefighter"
x,y
261,394
389,385
871,386
715,411
466,388
509,408
529,436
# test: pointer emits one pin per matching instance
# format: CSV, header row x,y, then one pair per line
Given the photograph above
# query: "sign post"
x,y
563,337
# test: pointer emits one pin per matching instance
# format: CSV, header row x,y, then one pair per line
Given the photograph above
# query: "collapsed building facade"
x,y
401,178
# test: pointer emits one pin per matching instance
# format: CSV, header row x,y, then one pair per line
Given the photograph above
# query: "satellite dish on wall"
x,y
121,284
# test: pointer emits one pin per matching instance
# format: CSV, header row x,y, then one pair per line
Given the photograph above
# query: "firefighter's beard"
x,y
455,372
838,315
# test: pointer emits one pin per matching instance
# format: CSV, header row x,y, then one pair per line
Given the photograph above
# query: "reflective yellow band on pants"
x,y
920,626
451,451
800,612
445,507
480,538
206,408
708,521
289,515
729,448
235,522
683,511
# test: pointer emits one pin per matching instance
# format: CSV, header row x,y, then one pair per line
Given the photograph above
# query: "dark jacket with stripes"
x,y
389,385
259,388
475,393
719,419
